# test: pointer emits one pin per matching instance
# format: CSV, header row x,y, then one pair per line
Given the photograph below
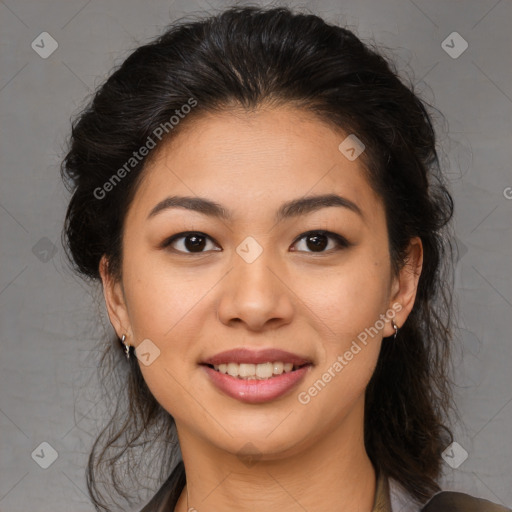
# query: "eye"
x,y
318,241
189,242
194,242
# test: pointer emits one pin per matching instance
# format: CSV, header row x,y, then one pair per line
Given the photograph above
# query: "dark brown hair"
x,y
242,58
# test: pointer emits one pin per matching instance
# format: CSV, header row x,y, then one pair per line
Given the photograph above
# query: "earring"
x,y
394,327
126,347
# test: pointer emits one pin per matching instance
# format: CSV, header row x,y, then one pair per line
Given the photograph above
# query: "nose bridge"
x,y
252,275
255,278
252,261
252,292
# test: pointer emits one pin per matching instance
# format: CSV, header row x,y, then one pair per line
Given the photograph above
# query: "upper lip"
x,y
244,355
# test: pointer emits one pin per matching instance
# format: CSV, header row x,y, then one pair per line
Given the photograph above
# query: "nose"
x,y
256,295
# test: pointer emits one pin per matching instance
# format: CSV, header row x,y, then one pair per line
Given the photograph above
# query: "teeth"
x,y
254,371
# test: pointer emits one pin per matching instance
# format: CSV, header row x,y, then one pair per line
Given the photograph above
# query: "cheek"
x,y
347,306
167,309
161,299
347,300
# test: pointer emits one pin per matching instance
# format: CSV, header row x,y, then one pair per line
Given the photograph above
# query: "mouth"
x,y
261,371
256,376
247,363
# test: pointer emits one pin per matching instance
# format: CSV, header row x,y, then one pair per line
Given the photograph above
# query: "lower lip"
x,y
255,391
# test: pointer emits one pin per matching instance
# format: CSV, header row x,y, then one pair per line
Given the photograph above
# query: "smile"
x,y
253,390
261,371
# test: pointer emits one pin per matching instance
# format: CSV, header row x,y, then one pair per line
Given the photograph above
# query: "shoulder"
x,y
443,501
450,501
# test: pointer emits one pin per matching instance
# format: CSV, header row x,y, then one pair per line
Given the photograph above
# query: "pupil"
x,y
194,242
319,242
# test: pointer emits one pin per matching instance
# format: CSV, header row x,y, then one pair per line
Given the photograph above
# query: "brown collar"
x,y
382,501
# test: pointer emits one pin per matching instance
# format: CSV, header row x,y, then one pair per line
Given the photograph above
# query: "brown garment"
x,y
448,501
166,498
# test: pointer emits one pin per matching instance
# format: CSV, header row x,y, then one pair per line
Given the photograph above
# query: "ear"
x,y
405,286
114,300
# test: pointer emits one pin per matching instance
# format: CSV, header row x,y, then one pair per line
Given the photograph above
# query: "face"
x,y
311,279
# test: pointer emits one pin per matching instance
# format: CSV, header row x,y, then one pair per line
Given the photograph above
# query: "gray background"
x,y
48,317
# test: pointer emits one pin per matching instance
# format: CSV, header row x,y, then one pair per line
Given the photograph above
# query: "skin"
x,y
194,305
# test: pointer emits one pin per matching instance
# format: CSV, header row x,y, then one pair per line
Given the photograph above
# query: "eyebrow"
x,y
293,208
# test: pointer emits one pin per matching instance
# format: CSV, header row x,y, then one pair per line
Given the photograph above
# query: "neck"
x,y
332,473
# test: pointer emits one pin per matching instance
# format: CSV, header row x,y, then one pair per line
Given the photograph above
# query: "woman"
x,y
260,197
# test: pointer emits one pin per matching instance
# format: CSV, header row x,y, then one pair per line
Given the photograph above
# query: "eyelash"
x,y
340,241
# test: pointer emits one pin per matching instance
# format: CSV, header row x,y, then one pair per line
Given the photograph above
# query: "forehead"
x,y
254,160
